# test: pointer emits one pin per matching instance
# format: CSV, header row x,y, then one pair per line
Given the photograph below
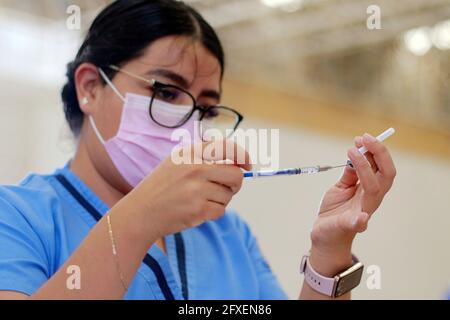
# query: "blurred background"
x,y
314,70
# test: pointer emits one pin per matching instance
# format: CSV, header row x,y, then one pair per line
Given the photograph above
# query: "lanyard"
x,y
148,259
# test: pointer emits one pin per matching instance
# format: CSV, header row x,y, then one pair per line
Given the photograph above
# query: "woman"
x,y
122,220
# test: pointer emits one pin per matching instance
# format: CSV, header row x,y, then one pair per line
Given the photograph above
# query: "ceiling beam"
x,y
327,19
335,42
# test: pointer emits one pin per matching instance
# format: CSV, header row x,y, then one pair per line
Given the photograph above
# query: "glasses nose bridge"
x,y
200,108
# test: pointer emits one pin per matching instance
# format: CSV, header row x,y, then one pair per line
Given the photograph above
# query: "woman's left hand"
x,y
347,207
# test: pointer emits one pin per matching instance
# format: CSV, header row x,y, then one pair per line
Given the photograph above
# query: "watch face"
x,y
349,280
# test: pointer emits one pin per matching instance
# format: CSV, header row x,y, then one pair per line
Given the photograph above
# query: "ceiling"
x,y
316,26
312,46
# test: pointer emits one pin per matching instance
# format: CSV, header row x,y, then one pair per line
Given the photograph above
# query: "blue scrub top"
x,y
43,221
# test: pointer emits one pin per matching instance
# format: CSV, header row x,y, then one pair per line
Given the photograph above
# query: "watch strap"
x,y
319,283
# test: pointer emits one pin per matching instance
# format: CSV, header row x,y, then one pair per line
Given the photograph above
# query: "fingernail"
x,y
369,138
354,221
354,152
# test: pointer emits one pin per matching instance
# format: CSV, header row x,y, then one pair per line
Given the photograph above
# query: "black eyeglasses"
x,y
214,121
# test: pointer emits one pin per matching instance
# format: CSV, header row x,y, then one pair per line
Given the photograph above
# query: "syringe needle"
x,y
341,166
327,168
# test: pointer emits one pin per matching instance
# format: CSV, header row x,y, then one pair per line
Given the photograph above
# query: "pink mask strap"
x,y
97,133
91,119
109,82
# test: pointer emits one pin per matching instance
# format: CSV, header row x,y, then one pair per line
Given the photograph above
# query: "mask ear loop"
x,y
109,82
91,119
97,133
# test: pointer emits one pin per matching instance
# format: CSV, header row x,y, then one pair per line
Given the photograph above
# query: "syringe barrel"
x,y
310,170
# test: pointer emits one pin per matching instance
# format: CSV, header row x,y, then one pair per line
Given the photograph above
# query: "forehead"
x,y
184,56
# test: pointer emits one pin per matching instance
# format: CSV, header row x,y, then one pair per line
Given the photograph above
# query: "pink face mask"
x,y
141,144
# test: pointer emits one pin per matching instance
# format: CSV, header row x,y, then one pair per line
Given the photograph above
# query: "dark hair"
x,y
123,30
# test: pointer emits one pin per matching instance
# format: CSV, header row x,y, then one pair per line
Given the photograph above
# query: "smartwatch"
x,y
334,287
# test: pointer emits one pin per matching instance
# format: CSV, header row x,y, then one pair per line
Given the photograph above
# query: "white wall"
x,y
33,135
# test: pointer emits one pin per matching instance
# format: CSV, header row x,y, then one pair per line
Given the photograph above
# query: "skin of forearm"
x,y
100,277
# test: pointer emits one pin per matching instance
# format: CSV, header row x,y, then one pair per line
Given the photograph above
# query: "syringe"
x,y
315,169
289,172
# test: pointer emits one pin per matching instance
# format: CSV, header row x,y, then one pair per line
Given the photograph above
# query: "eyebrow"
x,y
183,82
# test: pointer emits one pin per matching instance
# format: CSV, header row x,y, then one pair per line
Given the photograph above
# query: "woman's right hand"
x,y
175,197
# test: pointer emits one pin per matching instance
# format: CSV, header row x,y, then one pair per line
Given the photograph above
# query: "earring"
x,y
85,101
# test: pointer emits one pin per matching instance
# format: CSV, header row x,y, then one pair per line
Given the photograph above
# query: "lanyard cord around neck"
x,y
148,259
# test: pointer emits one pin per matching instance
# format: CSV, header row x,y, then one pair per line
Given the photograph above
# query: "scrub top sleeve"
x,y
270,288
23,266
